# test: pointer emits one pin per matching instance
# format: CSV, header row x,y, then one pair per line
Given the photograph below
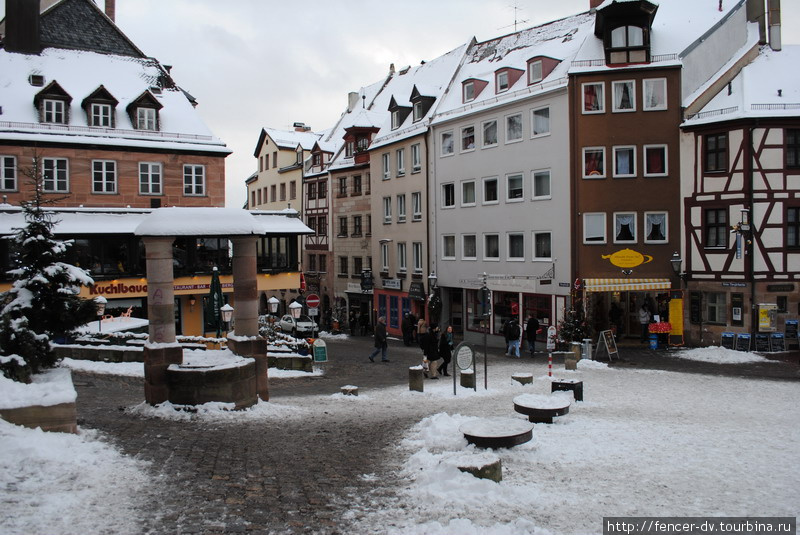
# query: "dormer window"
x,y
146,119
399,113
419,111
502,81
99,107
53,104
396,121
535,72
469,91
54,111
626,37
348,149
627,45
420,104
144,112
506,78
624,28
100,115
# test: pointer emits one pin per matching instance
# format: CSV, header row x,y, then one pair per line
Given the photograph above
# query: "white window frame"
x,y
445,239
536,258
619,148
194,182
666,226
151,174
647,88
510,139
146,119
416,206
602,150
510,258
446,186
464,97
619,84
601,98
595,216
665,148
443,152
385,257
416,256
387,210
100,114
104,175
401,208
401,161
416,159
417,113
496,180
386,166
464,137
541,172
486,248
60,182
484,124
395,119
464,238
635,227
534,133
8,173
522,187
498,77
464,185
534,78
54,111
402,260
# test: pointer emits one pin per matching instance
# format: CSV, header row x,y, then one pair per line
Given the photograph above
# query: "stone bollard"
x,y
468,378
415,379
349,390
523,378
570,363
485,466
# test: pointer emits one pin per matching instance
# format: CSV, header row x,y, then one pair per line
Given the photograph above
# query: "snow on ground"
x,y
719,355
644,443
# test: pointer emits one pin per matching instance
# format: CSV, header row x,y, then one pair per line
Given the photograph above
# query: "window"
x,y
266,161
625,228
540,122
793,227
104,176
418,111
312,224
416,160
385,166
312,191
490,193
100,115
447,143
401,162
449,247
8,173
593,98
627,45
514,128
56,175
358,265
469,247
387,209
283,191
293,189
468,193
624,96
273,193
356,225
594,228
655,227
274,159
793,148
502,81
468,91
467,138
342,227
323,264
344,269
146,119
369,225
489,133
716,308
396,119
716,152
542,246
54,111
655,94
150,178
322,226
541,184
260,198
416,249
448,195
401,208
491,247
514,187
342,186
516,246
534,72
356,184
322,190
624,162
312,262
416,206
385,257
402,266
194,180
594,162
716,231
655,160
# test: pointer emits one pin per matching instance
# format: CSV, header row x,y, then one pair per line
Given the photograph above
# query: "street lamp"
x,y
295,308
273,303
226,311
100,302
676,262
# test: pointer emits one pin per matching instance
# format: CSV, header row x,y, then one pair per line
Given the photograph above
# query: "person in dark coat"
x,y
445,349
408,330
531,329
380,341
431,350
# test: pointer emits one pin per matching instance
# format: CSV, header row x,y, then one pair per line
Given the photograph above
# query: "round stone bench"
x,y
541,408
349,390
484,465
522,378
497,432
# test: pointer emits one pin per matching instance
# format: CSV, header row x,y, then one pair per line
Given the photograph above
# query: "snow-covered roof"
x,y
767,87
79,73
291,139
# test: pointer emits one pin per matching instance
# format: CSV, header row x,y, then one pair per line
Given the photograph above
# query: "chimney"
x,y
775,24
755,13
352,101
111,10
22,26
301,127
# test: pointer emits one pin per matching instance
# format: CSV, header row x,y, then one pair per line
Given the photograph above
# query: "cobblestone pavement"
x,y
298,475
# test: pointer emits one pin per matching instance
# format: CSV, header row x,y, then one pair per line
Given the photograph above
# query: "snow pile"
x,y
129,369
719,355
52,387
217,412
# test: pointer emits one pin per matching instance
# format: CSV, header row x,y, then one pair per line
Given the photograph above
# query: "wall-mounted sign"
x,y
416,291
780,287
735,284
392,284
628,258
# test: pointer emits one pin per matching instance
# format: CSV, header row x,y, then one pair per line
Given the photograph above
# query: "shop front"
x,y
393,303
359,309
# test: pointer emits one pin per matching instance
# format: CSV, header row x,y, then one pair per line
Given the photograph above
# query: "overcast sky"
x,y
270,63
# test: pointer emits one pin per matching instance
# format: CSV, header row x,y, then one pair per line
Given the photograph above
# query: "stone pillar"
x,y
161,349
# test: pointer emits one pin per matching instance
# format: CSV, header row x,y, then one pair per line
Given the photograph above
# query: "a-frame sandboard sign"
x,y
607,339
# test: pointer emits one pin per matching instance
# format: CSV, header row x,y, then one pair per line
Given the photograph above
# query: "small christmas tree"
x,y
43,302
574,327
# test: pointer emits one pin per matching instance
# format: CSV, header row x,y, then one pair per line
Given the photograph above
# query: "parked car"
x,y
300,326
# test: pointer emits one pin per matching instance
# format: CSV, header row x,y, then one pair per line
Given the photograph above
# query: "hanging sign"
x,y
627,258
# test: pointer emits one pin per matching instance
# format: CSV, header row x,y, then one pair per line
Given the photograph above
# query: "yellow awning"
x,y
625,285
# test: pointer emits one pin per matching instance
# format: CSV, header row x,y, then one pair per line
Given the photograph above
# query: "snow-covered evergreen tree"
x,y
43,302
574,327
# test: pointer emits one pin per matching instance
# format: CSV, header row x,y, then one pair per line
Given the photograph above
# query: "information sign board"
x,y
320,350
762,342
777,342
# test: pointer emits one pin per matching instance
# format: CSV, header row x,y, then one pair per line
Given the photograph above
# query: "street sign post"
x,y
312,301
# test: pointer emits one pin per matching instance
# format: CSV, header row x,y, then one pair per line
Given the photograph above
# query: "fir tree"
x,y
43,302
574,327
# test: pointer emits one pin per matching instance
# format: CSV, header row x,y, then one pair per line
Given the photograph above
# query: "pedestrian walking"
x,y
644,321
380,341
513,334
445,349
408,330
531,330
431,350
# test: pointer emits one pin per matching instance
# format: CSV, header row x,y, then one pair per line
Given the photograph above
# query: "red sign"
x,y
312,300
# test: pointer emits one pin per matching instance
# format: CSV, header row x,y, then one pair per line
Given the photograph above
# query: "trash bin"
x,y
653,341
587,348
576,348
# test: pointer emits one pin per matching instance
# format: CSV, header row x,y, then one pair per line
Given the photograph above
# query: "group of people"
x,y
436,345
512,332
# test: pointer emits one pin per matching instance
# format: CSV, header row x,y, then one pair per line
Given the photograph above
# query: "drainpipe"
x,y
750,262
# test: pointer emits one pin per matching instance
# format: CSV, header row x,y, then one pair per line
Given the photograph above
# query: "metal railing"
x,y
101,131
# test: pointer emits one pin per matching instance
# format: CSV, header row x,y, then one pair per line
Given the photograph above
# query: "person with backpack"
x,y
514,333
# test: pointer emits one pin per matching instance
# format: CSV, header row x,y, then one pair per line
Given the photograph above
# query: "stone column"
x,y
246,341
161,349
